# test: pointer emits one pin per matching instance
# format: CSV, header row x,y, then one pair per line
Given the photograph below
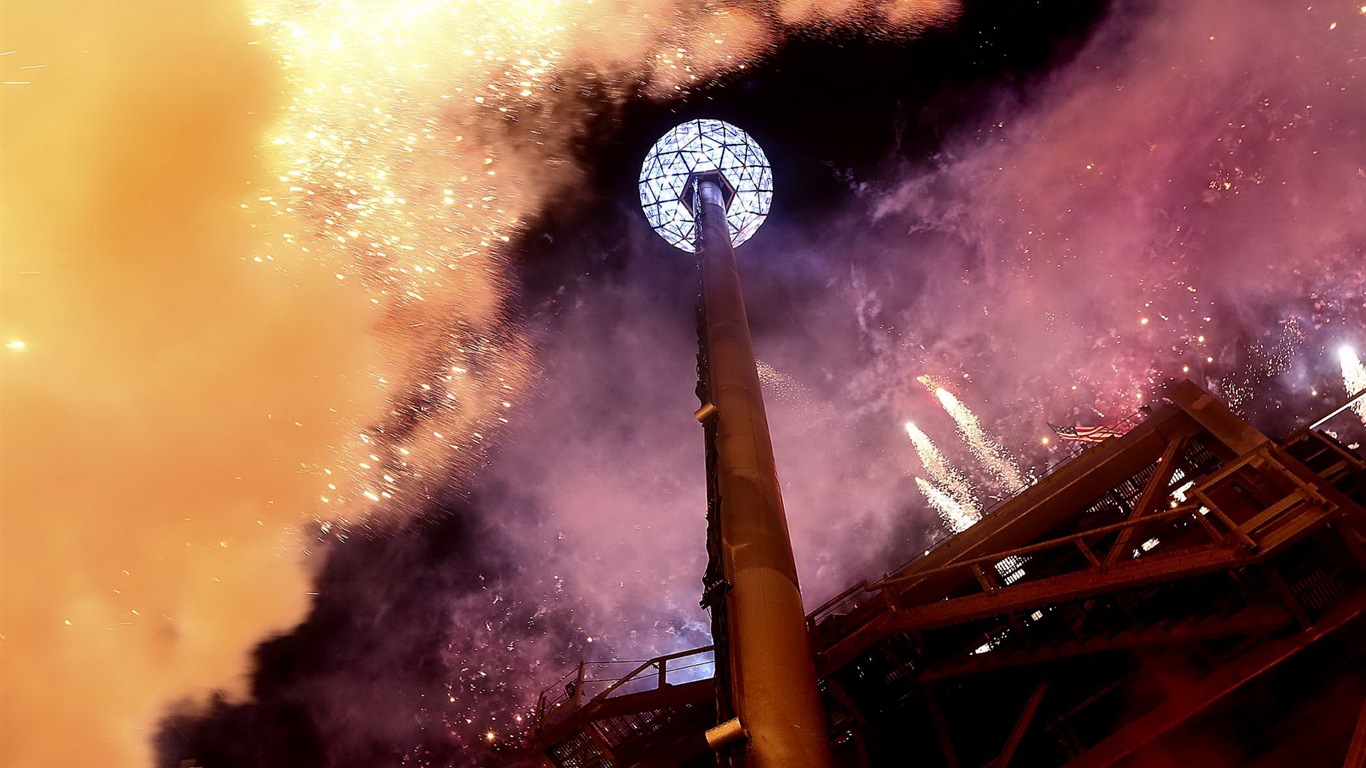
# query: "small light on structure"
x,y
16,345
1045,441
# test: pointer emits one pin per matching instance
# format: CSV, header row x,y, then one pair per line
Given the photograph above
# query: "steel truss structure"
x,y
1189,593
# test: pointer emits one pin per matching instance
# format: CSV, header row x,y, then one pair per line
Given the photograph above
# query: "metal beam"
x,y
1248,622
1021,725
1356,751
941,728
1070,586
1147,501
1032,594
771,671
1192,699
1223,424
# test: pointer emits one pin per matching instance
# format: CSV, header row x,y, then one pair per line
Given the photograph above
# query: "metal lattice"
x,y
701,146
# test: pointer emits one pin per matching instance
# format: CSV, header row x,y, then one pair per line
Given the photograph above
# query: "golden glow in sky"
x,y
254,278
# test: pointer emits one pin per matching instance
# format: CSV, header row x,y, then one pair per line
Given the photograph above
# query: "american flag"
x,y
1084,434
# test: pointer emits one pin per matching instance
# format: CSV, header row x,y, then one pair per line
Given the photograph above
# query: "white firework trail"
x,y
982,445
957,517
1353,378
940,472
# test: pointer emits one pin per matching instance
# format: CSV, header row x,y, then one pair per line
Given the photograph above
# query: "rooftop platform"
x,y
1189,593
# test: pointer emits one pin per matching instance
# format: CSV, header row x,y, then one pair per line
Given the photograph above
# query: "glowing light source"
x,y
702,146
16,344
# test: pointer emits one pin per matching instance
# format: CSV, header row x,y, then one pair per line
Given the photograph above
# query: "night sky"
x,y
1049,209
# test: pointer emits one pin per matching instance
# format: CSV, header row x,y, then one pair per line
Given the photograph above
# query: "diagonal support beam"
x,y
1152,493
941,728
1253,621
1021,725
1197,697
1356,753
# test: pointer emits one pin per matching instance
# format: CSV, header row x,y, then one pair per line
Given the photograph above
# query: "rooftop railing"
x,y
594,681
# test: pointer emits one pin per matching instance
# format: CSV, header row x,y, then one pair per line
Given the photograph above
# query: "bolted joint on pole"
x,y
705,413
725,734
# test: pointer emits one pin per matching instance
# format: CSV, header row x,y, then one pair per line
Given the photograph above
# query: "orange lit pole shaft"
x,y
772,673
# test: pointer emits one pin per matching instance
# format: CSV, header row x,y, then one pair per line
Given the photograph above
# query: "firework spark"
x,y
955,515
780,386
982,445
418,137
943,475
395,168
1353,377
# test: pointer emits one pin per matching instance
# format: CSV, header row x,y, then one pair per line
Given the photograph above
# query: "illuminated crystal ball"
x,y
702,146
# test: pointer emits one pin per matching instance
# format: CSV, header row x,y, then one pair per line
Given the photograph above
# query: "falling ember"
x,y
957,517
983,446
417,138
941,473
1353,377
438,84
779,385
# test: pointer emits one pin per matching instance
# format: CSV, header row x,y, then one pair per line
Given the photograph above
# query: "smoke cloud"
x,y
1183,195
1159,204
1180,198
234,305
160,391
